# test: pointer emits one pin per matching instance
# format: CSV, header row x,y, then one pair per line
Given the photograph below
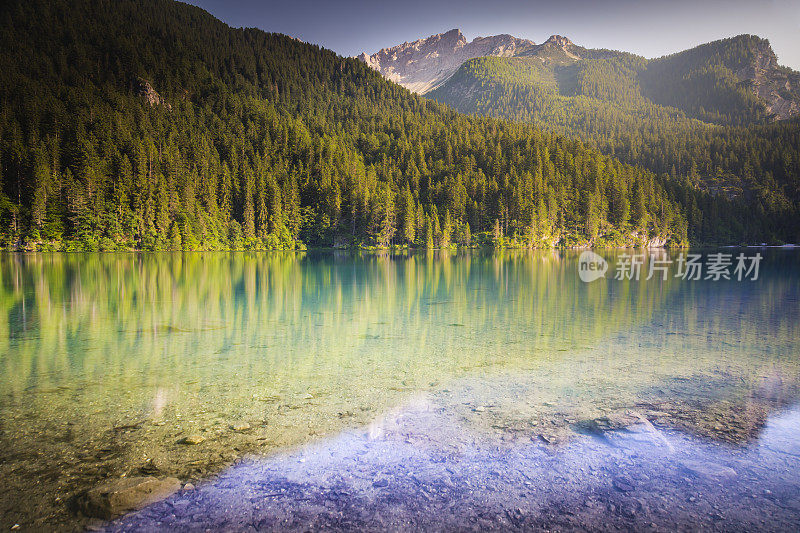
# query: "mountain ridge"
x,y
688,114
425,64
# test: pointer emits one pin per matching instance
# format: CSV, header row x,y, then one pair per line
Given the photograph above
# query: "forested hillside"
x,y
687,115
735,81
151,125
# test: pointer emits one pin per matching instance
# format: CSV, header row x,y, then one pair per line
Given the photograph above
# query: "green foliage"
x,y
685,116
259,141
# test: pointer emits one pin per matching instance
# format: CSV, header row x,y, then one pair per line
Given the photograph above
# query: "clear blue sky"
x,y
648,27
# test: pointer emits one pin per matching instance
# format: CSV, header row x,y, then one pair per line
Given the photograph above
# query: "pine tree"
x,y
409,216
447,229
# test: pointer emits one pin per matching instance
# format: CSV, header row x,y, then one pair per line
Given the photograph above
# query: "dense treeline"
x,y
151,125
607,101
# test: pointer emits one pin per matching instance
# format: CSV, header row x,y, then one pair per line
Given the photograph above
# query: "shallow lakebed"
x,y
333,390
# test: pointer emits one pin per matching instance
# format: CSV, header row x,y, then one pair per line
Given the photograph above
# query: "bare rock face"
x,y
146,91
556,49
560,41
423,65
779,87
119,496
656,242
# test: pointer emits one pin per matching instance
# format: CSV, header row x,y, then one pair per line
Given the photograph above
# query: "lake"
x,y
340,390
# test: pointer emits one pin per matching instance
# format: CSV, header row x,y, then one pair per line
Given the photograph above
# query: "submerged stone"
x,y
616,420
118,496
707,469
192,439
556,436
152,466
623,484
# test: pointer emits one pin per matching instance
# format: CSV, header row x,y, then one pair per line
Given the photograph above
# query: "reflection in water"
x,y
781,434
107,361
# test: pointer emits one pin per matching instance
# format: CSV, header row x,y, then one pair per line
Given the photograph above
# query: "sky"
x,y
651,28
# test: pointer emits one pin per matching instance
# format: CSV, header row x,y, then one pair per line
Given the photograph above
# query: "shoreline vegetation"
x,y
485,242
478,242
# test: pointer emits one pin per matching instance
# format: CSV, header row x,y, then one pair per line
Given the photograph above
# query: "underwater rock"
x,y
152,466
616,420
118,496
623,484
192,439
556,436
707,470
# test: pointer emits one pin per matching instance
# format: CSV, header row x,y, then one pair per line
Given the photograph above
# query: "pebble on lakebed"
x,y
192,439
240,426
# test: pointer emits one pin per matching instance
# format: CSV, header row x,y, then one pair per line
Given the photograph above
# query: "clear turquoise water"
x,y
108,360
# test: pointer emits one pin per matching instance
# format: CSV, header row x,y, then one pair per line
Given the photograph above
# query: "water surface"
x,y
108,361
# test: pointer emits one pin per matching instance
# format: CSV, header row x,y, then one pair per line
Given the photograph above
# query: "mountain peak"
x,y
559,40
426,63
455,33
556,48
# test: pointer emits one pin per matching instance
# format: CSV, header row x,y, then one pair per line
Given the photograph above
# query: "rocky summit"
x,y
778,86
424,64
